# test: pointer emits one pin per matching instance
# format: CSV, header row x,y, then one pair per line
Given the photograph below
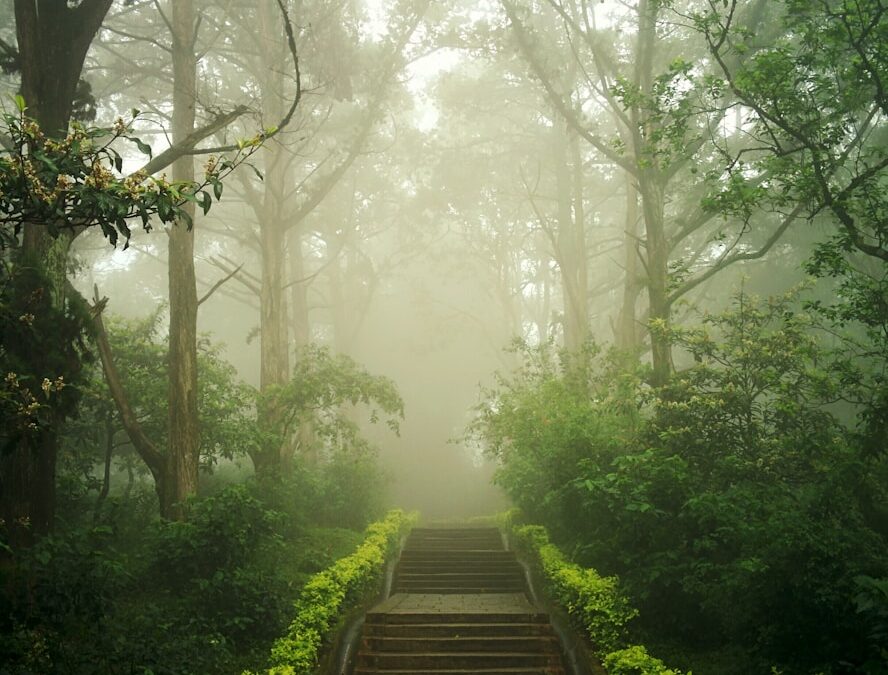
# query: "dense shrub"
x,y
635,660
595,604
737,505
329,595
136,595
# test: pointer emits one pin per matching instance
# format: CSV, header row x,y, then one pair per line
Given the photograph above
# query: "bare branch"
x,y
215,287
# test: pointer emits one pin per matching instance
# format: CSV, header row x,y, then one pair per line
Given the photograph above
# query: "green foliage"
x,y
65,185
737,507
329,595
551,415
322,392
226,405
594,603
671,111
55,610
814,100
34,331
871,600
136,595
635,660
860,311
76,181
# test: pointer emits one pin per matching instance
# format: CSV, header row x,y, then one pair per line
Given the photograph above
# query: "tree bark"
x,y
627,336
651,186
274,356
571,239
53,40
183,455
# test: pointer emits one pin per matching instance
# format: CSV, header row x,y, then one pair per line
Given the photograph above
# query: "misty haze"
x,y
444,336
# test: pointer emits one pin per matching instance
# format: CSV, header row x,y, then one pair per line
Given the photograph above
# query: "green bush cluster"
x,y
741,506
132,594
328,595
594,603
635,660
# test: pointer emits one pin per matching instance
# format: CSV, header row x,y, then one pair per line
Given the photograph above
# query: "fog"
x,y
280,278
427,203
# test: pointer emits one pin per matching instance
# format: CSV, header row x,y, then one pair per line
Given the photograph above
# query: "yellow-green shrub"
x,y
330,594
594,603
635,660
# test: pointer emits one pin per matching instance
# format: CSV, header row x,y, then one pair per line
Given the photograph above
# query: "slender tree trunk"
x,y
651,188
299,319
571,240
183,455
627,325
659,314
274,358
109,454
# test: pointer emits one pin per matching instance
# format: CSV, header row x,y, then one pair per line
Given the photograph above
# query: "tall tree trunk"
x,y
301,328
298,309
53,40
274,358
571,239
183,454
651,188
627,336
659,311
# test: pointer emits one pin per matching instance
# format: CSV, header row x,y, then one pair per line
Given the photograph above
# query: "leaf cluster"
x,y
77,182
321,385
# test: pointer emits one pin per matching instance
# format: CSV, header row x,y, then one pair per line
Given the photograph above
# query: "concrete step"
x,y
474,660
460,590
413,618
482,563
459,606
462,643
486,575
465,554
550,670
457,629
454,533
507,583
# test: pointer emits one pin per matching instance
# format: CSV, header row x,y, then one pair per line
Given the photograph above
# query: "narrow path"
x,y
459,605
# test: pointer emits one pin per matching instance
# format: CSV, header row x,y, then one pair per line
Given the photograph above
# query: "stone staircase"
x,y
459,605
457,561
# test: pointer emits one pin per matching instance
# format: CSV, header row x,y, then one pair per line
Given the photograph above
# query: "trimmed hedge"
x,y
329,595
594,603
